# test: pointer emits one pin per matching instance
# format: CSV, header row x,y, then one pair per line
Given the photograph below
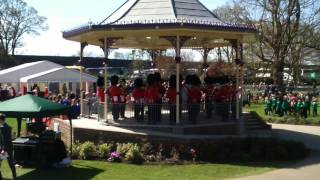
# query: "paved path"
x,y
308,169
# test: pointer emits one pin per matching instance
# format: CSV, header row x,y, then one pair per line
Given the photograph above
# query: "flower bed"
x,y
225,150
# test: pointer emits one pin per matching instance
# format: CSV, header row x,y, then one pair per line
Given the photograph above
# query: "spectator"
x,y
6,144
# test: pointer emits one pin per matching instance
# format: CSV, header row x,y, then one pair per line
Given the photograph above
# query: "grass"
x,y
84,170
287,119
13,123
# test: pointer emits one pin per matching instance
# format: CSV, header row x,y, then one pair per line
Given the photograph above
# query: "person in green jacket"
x,y
268,106
279,106
285,105
314,106
303,109
297,106
274,104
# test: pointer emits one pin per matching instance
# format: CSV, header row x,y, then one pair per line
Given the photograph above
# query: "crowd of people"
x,y
153,93
287,103
7,92
295,104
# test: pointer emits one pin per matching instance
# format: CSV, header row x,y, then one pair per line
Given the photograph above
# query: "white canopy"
x,y
14,74
58,75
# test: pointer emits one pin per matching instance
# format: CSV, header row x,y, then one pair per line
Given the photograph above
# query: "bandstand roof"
x,y
144,23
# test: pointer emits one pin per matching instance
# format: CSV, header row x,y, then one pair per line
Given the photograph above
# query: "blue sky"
x,y
66,14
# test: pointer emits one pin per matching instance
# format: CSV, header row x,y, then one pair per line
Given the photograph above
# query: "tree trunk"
x,y
277,74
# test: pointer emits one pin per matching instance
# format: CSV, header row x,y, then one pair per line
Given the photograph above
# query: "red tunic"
x,y
194,95
153,95
101,94
161,88
171,95
138,95
225,94
209,91
114,93
46,92
123,95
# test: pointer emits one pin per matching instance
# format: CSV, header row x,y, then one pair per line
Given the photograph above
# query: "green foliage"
x,y
123,148
225,150
76,146
134,154
87,150
104,150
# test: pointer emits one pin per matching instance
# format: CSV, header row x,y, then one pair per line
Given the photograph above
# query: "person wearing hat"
x,y
6,144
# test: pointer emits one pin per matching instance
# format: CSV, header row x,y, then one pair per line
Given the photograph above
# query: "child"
x,y
314,106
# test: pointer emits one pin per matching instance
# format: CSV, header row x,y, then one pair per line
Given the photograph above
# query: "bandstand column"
x,y
82,46
106,54
178,60
239,84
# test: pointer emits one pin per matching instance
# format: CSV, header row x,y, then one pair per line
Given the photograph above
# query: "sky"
x,y
67,14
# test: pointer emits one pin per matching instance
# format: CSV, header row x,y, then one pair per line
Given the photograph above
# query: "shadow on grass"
x,y
78,172
311,141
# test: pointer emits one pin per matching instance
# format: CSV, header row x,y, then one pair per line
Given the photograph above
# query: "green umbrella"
x,y
29,106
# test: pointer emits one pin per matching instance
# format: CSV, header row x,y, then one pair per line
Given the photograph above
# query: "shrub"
x,y
134,155
146,148
88,150
174,155
115,157
123,148
75,149
104,150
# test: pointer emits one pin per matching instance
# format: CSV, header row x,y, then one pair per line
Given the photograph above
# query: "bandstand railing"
x,y
161,113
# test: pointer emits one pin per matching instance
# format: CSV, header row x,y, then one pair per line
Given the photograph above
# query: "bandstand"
x,y
168,24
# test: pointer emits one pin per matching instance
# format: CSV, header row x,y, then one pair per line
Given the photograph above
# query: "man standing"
x,y
6,144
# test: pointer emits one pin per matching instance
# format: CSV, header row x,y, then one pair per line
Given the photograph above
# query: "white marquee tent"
x,y
14,74
61,74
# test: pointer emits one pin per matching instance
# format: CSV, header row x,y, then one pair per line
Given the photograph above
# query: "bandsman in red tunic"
x,y
114,93
194,101
153,98
138,98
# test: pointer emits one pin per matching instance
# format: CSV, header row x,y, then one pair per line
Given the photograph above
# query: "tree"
x,y
281,37
138,65
16,20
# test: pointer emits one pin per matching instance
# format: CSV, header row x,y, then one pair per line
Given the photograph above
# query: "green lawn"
x,y
13,123
290,119
84,170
